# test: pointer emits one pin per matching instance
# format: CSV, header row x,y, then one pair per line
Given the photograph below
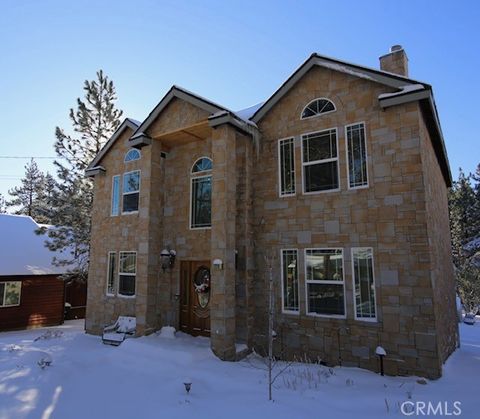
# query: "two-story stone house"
x,y
338,182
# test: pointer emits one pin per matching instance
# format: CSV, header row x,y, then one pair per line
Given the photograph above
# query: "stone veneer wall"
x,y
389,216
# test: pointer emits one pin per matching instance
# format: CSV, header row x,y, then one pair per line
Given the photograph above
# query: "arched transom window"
x,y
201,195
318,107
132,154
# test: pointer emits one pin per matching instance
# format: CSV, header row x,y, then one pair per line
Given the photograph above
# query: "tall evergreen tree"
x,y
28,198
3,206
94,120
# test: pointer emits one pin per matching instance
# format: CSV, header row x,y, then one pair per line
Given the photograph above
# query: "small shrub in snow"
x,y
45,361
13,348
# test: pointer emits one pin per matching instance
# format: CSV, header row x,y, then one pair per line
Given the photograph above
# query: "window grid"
x,y
127,274
331,160
111,273
311,283
130,205
132,155
290,290
10,293
356,155
364,310
286,160
317,107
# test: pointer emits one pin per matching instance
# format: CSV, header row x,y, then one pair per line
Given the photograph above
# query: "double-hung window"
x,y
10,293
112,273
364,284
325,284
320,161
290,281
356,155
127,273
286,166
131,191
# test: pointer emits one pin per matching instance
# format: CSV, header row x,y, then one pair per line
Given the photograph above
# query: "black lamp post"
x,y
380,352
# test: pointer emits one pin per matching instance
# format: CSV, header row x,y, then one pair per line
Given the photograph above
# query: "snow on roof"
x,y
247,113
404,90
22,252
137,123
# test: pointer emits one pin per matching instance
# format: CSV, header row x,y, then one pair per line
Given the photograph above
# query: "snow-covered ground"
x,y
143,378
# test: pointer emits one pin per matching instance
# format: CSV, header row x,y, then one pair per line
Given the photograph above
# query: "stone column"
x,y
222,302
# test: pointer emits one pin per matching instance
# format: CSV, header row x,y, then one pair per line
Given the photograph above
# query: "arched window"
x,y
318,107
132,154
202,165
201,194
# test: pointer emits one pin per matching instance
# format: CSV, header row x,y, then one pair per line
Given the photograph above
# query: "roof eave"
x,y
97,170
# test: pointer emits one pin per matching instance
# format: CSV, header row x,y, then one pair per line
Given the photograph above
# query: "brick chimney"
x,y
396,61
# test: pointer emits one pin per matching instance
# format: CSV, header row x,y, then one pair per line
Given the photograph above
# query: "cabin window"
x,y
10,293
127,274
132,155
131,191
111,273
325,285
201,194
286,166
320,161
356,155
290,281
364,284
318,107
115,207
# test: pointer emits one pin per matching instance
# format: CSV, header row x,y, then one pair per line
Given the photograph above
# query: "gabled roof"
x,y
23,251
379,76
180,93
127,123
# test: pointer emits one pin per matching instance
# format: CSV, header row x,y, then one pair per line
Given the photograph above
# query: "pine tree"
x,y
27,198
3,206
94,121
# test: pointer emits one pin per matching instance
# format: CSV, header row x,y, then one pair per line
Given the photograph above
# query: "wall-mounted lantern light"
x,y
167,259
218,264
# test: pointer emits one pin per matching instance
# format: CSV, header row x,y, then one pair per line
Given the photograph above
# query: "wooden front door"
x,y
195,297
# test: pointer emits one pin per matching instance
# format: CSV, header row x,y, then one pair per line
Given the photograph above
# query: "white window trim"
x,y
280,194
126,154
131,193
192,173
117,268
127,274
5,292
111,198
318,114
320,161
366,156
364,319
192,177
294,312
329,316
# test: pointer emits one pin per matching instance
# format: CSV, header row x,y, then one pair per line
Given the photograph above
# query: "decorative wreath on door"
x,y
201,281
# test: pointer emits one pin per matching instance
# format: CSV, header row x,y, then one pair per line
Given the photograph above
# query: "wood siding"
x,y
41,303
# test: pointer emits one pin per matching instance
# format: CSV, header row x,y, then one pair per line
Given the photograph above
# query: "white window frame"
x,y
5,293
318,114
115,272
366,155
120,196
294,312
320,162
126,274
128,152
280,168
330,316
199,175
131,193
364,319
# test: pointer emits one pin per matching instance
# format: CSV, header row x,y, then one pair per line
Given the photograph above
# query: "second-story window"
x,y
356,155
115,208
201,194
131,191
286,166
320,161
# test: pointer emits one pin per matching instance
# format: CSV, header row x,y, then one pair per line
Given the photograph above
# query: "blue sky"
x,y
233,52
